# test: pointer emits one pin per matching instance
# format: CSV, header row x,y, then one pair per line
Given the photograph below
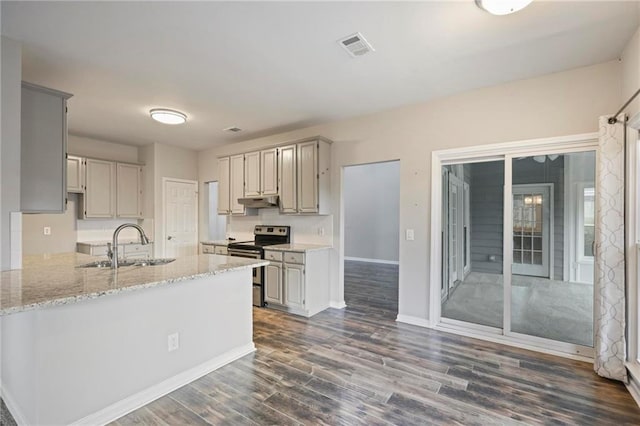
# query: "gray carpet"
x,y
556,310
6,419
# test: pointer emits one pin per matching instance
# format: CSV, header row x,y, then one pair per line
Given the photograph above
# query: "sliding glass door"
x,y
551,295
517,247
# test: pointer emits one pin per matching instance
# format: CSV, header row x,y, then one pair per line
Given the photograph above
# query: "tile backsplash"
x,y
312,229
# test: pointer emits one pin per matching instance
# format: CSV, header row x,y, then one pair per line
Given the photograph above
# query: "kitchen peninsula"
x,y
86,345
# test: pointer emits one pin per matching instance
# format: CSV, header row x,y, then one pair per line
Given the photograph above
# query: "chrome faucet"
x,y
113,250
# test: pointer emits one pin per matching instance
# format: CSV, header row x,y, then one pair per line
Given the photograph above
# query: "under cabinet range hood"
x,y
259,202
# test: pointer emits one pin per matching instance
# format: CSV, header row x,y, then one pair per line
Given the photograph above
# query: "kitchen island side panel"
x,y
94,354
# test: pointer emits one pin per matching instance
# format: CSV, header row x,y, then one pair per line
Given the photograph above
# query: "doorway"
x,y
217,222
180,217
530,231
371,194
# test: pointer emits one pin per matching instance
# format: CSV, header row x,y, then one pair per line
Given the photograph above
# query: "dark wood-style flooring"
x,y
358,366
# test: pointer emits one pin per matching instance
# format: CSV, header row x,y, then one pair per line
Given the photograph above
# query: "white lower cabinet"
x,y
125,251
214,249
297,282
273,284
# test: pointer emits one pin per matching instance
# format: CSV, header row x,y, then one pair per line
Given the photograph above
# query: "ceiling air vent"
x,y
356,45
233,129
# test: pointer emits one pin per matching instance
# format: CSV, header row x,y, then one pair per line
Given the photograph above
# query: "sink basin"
x,y
106,264
153,262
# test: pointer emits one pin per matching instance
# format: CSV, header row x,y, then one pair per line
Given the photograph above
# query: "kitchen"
x,y
254,97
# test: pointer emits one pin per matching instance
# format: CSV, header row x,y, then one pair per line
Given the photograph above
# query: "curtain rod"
x,y
613,119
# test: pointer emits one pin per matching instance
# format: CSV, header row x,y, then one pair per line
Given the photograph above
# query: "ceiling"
x,y
270,67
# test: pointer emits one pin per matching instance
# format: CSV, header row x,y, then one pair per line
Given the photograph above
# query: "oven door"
x,y
258,273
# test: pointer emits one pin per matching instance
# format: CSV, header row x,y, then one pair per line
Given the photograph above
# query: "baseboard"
x,y
634,388
133,402
363,259
337,304
13,408
408,319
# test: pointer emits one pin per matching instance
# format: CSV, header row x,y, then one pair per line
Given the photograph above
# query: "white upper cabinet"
x,y
261,173
304,177
237,183
100,193
269,172
75,174
43,150
252,174
111,190
287,179
129,190
224,185
308,177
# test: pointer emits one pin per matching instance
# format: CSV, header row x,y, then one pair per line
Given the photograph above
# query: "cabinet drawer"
x,y
136,249
220,250
208,249
293,257
273,255
99,250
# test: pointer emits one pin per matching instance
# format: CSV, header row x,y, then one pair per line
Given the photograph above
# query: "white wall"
x,y
371,211
11,76
88,147
552,105
217,223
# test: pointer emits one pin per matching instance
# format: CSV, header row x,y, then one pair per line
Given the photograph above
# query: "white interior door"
x,y
180,218
531,230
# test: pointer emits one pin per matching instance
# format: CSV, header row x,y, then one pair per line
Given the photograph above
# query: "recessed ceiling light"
x,y
502,7
168,116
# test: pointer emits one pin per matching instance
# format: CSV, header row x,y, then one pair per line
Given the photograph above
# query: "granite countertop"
x,y
53,280
298,247
122,241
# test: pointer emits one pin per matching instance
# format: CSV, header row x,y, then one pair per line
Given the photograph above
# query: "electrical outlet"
x,y
410,235
173,342
46,230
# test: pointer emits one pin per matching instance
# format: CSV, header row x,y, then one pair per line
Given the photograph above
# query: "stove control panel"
x,y
271,230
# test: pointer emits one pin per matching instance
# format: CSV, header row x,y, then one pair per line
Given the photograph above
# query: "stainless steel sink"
x,y
106,264
153,262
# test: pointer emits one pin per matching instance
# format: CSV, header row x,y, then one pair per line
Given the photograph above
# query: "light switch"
x,y
46,230
410,235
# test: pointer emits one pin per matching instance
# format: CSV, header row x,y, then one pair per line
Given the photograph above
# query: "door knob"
x,y
169,237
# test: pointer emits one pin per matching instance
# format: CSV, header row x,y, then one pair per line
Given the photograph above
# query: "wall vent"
x,y
356,45
233,129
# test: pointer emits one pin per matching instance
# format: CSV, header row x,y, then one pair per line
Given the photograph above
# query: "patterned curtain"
x,y
610,345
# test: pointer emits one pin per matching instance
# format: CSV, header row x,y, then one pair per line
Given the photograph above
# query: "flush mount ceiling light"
x,y
168,116
502,7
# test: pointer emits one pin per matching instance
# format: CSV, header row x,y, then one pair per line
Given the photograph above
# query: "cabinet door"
x,y
252,174
43,151
294,285
269,172
308,177
129,192
224,186
273,283
237,183
287,179
100,193
75,174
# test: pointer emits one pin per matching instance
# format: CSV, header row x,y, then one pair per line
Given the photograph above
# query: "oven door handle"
x,y
242,253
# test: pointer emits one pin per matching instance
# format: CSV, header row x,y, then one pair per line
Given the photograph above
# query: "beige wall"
x,y
169,162
553,105
65,228
94,148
